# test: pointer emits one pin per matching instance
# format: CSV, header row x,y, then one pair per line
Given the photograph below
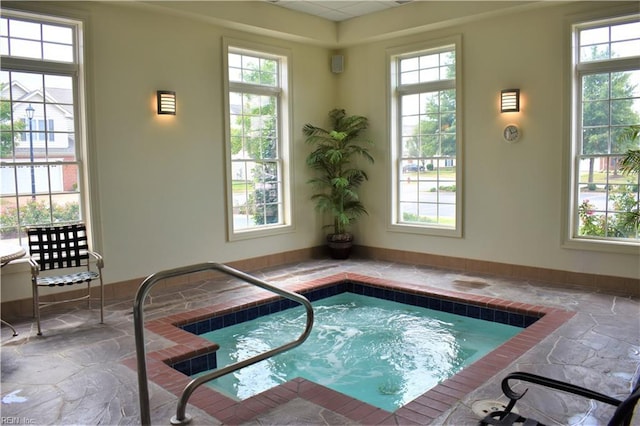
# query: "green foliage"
x,y
630,163
623,221
259,140
621,225
630,166
414,218
591,224
6,134
254,133
263,203
37,213
596,118
338,178
436,133
444,188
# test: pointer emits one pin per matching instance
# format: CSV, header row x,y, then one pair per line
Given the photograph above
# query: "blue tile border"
x,y
438,304
208,361
196,364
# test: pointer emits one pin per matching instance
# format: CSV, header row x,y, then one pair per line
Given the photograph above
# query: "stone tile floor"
x,y
74,374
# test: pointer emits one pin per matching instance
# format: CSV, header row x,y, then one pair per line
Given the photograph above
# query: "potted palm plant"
x,y
333,158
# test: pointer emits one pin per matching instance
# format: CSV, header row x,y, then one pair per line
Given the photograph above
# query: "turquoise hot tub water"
x,y
378,351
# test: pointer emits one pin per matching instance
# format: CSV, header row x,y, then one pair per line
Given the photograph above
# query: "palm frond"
x,y
630,163
311,130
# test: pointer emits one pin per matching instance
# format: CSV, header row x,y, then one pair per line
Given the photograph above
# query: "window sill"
x,y
426,230
258,233
619,247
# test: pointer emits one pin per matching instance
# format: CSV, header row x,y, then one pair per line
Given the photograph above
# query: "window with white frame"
x,y
606,110
426,144
41,146
257,139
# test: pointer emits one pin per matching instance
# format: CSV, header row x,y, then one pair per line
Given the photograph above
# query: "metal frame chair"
x,y
621,416
63,247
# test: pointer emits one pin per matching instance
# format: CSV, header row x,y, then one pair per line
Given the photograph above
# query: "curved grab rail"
x,y
138,323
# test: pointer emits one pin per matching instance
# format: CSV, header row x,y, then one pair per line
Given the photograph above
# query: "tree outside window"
x,y
427,176
255,138
609,100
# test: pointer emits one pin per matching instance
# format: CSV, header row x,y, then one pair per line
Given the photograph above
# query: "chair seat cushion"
x,y
68,279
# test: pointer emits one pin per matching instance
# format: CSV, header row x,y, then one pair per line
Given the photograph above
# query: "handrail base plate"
x,y
187,419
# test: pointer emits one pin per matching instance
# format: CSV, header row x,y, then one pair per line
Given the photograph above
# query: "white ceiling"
x,y
338,10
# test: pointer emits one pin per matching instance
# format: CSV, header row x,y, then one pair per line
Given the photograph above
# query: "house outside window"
x,y
426,143
39,131
41,149
257,106
606,106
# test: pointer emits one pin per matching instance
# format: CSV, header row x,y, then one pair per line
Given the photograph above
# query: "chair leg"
x,y
89,293
15,333
36,305
101,301
36,302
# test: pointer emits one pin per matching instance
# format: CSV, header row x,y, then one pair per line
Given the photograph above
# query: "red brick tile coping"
x,y
421,410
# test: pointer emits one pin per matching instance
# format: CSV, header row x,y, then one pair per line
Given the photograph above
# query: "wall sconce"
x,y
510,100
166,102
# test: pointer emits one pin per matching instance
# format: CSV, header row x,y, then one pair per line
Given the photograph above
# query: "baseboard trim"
x,y
597,283
608,284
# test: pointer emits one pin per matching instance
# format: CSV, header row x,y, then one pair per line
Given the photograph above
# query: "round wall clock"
x,y
511,133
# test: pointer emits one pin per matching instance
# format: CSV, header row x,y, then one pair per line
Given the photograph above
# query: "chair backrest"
x,y
55,247
624,412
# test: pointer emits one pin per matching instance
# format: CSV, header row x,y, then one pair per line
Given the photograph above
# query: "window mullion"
x,y
427,87
254,89
23,64
618,64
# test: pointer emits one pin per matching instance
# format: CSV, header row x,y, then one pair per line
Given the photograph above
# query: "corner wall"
x,y
513,193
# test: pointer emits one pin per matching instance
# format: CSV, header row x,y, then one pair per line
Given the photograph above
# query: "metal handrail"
x,y
138,323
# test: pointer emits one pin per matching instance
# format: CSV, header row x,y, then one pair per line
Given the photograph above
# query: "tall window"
x,y
258,139
40,148
426,143
606,104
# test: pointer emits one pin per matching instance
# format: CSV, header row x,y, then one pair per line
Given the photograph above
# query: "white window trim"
x,y
286,146
392,103
572,130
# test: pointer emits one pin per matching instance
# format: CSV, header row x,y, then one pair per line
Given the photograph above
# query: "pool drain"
x,y
486,406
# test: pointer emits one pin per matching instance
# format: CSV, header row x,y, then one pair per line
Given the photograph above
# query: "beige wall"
x,y
161,179
513,193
